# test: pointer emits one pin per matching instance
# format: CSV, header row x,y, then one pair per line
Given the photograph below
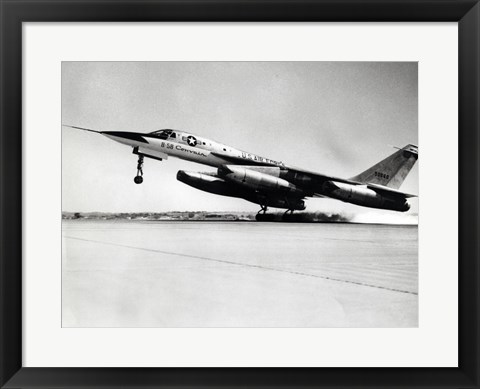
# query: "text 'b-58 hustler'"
x,y
267,182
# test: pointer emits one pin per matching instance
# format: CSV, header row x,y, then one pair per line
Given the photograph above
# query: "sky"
x,y
336,118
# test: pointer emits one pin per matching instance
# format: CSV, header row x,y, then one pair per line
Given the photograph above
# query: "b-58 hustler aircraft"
x,y
267,182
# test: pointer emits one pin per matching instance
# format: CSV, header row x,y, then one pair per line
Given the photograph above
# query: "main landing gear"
x,y
139,177
262,215
288,216
263,209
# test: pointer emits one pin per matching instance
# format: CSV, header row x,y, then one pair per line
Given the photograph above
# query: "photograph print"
x,y
240,194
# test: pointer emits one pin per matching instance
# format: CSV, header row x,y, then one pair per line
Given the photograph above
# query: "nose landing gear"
x,y
139,177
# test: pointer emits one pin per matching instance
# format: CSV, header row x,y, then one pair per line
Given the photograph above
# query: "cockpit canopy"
x,y
164,134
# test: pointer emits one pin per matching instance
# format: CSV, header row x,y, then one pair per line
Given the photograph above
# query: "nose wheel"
x,y
139,177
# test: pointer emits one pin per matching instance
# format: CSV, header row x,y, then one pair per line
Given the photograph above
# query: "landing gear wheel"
x,y
289,216
138,178
264,217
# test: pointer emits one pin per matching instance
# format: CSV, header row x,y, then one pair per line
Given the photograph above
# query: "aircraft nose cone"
x,y
124,137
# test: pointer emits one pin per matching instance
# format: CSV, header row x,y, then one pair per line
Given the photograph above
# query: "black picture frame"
x,y
14,12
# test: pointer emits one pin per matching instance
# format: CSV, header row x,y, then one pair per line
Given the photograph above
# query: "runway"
x,y
238,274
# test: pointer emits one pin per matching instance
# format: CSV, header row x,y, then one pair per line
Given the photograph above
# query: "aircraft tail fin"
x,y
392,171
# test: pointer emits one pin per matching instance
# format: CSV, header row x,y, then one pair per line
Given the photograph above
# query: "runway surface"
x,y
238,274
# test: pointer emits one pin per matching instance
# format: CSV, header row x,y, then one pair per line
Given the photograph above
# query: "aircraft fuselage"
x,y
265,181
188,147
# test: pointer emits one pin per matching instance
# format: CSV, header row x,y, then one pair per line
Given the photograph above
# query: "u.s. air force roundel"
x,y
192,141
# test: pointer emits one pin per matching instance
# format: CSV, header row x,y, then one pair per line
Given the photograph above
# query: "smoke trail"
x,y
391,218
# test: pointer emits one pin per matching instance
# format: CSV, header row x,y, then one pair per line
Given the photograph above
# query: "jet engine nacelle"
x,y
256,180
217,185
206,182
366,197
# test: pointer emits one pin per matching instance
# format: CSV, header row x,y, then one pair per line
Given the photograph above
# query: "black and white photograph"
x,y
240,194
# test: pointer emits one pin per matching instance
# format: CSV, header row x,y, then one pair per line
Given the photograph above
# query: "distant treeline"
x,y
186,215
200,215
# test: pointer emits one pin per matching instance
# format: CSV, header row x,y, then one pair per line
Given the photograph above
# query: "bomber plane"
x,y
267,182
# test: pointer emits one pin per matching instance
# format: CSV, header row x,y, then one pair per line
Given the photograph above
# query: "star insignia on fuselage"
x,y
191,141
